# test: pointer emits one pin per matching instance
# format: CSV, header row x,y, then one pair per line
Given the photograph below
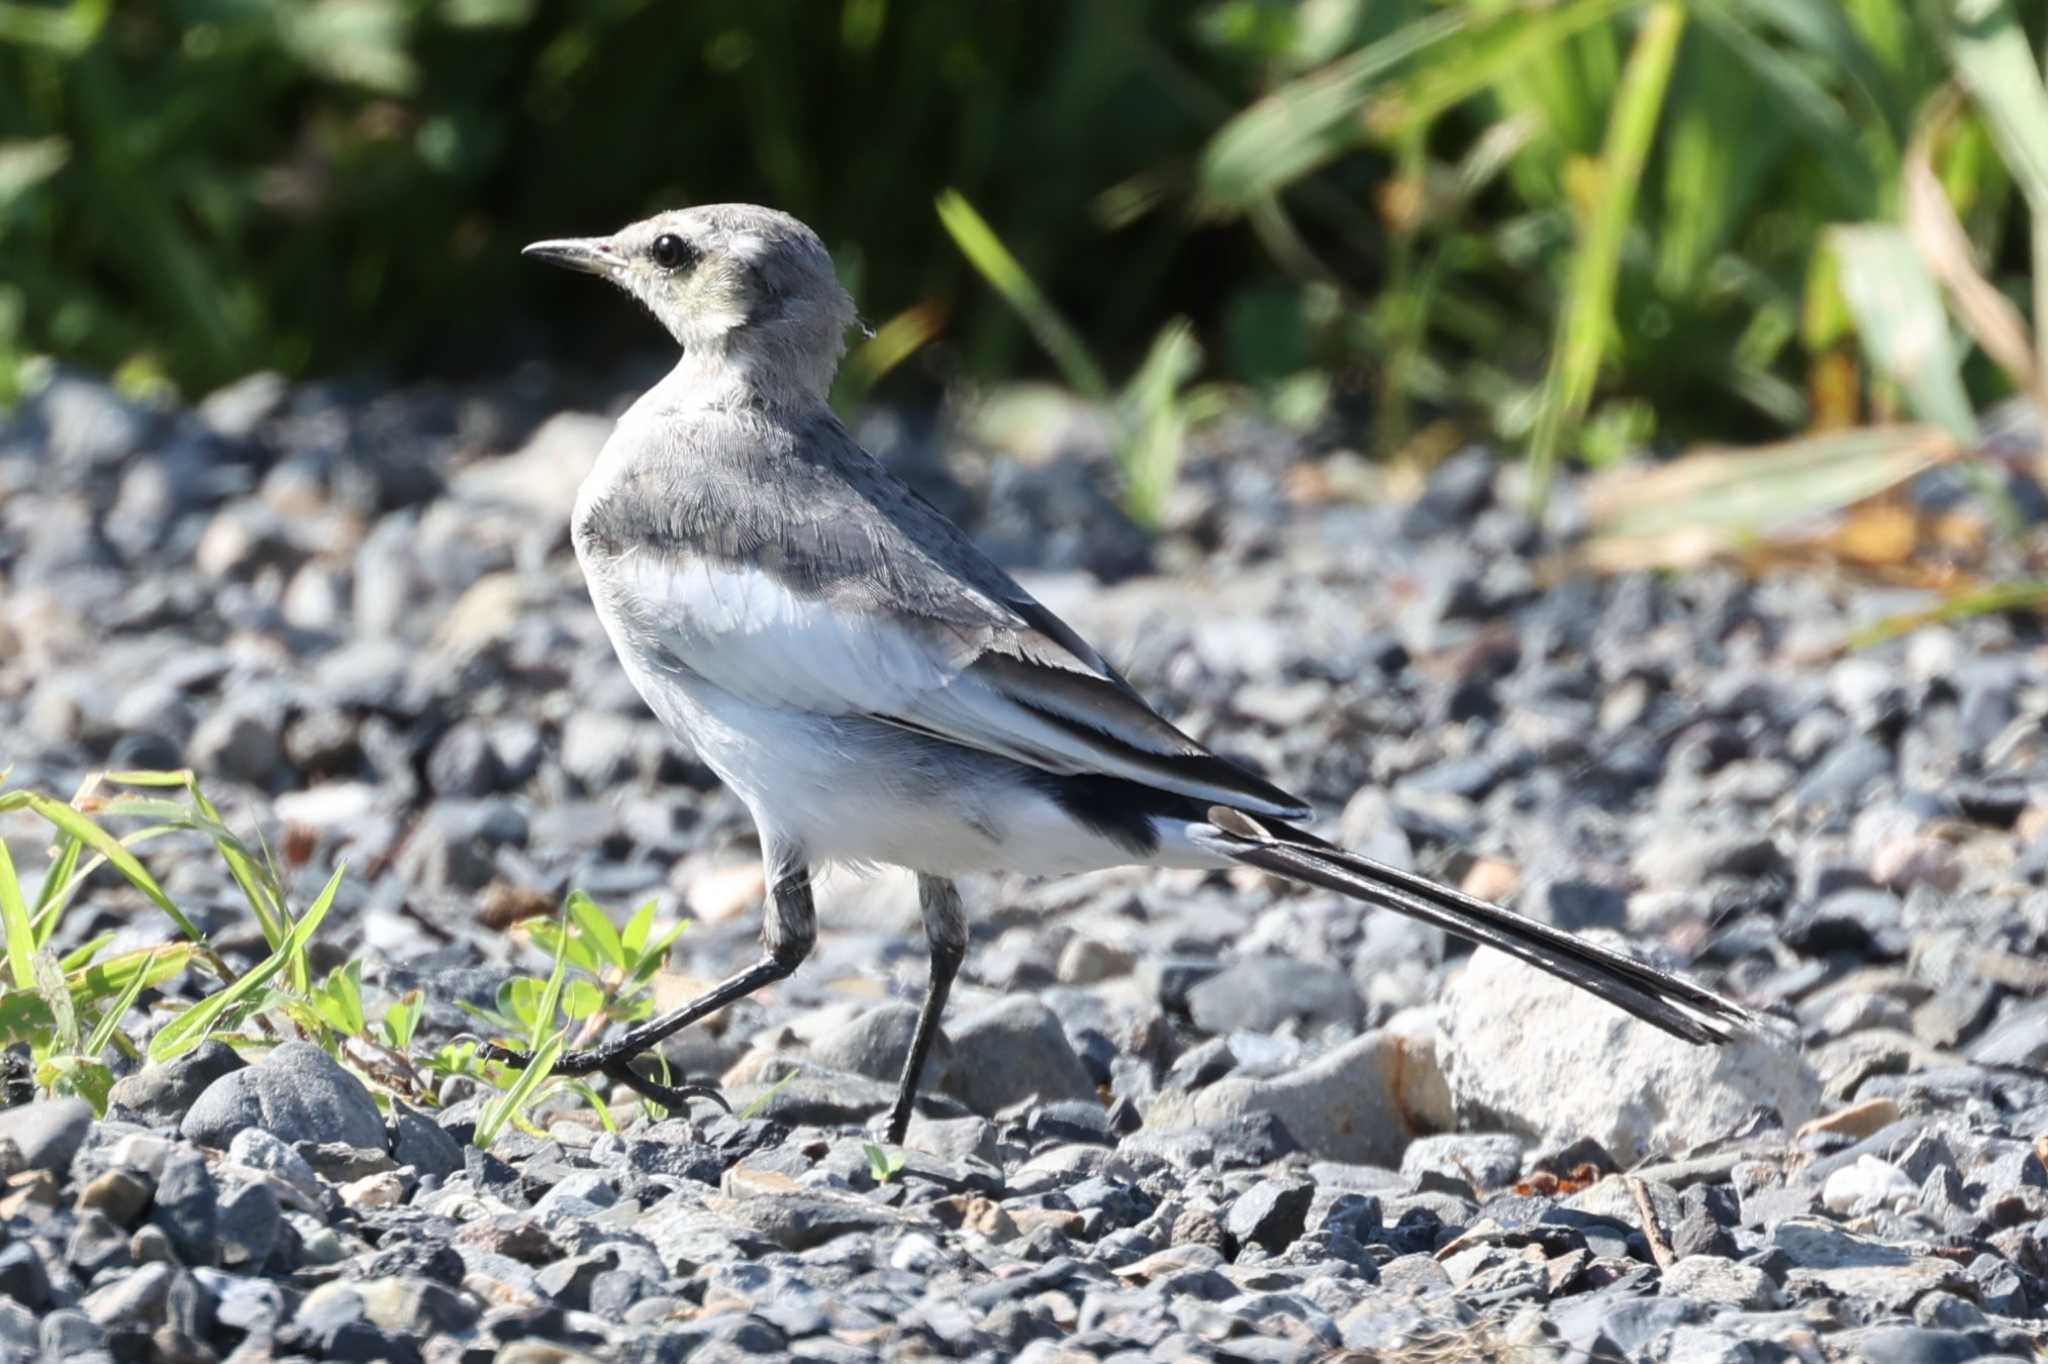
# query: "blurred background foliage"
x,y
1579,226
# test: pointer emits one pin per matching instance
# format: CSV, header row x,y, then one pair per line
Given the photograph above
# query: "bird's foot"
x,y
597,1061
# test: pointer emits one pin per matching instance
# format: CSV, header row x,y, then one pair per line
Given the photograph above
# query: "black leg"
x,y
786,937
945,930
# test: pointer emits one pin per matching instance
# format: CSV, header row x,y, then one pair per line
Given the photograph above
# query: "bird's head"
x,y
744,286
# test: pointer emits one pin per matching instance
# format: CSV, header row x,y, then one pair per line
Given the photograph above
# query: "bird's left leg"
x,y
945,931
787,935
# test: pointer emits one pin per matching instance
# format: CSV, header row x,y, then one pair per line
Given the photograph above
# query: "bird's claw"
x,y
675,1097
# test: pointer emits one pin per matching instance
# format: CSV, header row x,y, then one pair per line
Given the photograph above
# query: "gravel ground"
x,y
1176,1116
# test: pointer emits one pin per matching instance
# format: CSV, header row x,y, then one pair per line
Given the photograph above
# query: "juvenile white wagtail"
x,y
873,687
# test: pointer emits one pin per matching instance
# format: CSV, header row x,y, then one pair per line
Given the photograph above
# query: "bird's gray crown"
x,y
749,288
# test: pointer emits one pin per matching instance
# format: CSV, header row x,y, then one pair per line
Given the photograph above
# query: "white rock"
x,y
1866,1186
1525,1052
1709,1278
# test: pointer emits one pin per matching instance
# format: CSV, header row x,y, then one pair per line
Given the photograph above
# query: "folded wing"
x,y
1006,677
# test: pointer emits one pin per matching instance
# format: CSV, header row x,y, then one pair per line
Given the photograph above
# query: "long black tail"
x,y
1657,997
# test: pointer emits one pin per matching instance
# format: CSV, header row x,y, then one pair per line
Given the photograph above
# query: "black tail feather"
x,y
1657,997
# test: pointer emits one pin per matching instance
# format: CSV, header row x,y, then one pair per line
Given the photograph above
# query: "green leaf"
x,y
339,1000
883,1163
550,938
402,1019
519,1000
637,929
90,1080
2000,597
657,953
190,1028
596,926
1903,323
62,868
582,998
1509,40
116,975
1151,458
598,1105
56,898
1998,68
24,165
14,921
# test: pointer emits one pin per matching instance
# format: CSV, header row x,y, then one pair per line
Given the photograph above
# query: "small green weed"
x,y
69,1009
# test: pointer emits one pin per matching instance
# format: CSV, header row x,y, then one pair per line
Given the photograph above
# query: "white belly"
x,y
861,792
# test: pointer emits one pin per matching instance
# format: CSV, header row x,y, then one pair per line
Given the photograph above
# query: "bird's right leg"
x,y
945,932
787,934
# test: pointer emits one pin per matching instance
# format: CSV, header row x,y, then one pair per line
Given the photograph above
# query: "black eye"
x,y
671,252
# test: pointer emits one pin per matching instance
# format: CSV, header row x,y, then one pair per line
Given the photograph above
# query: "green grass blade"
x,y
1307,123
1996,65
51,913
550,997
508,1105
14,920
598,1105
62,867
154,965
986,253
70,821
1586,323
103,1031
1982,601
82,955
190,1028
1151,458
1514,38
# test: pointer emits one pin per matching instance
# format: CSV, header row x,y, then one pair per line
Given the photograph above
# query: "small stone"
x,y
1261,993
1856,1121
1362,1101
23,1277
876,1043
1013,1051
160,1094
1485,1160
383,1190
257,1149
296,1093
186,1207
120,1195
250,1226
1709,1278
1088,961
133,1302
47,1133
1272,1213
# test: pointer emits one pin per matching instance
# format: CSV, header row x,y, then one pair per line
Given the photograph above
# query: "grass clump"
x,y
69,1009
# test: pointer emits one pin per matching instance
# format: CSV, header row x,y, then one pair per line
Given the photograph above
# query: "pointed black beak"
x,y
591,255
